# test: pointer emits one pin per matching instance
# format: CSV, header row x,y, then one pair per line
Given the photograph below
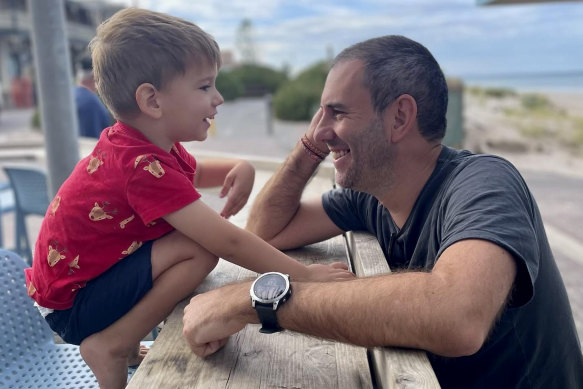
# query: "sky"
x,y
512,42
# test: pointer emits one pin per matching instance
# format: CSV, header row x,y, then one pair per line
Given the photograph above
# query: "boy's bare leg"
x,y
138,355
178,266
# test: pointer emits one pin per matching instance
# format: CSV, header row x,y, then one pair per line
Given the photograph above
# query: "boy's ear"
x,y
402,116
147,100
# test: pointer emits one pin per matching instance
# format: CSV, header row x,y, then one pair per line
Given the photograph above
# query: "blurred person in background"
x,y
92,114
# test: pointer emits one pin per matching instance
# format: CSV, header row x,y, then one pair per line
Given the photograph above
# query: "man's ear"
x,y
147,100
402,114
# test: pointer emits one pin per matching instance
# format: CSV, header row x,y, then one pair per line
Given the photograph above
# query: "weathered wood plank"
x,y
250,359
392,367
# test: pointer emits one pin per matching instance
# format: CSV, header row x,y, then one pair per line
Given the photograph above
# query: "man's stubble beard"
x,y
371,170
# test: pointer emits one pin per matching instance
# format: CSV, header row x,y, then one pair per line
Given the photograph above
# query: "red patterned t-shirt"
x,y
111,203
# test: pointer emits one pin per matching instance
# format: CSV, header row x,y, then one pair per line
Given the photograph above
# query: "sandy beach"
x,y
534,130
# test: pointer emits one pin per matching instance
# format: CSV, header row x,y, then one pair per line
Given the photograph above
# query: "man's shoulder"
x,y
483,166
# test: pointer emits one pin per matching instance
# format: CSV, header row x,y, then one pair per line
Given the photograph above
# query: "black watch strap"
x,y
268,318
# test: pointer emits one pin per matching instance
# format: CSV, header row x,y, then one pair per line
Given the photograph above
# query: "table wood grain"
x,y
251,359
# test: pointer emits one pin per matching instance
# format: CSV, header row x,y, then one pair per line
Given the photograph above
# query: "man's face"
x,y
355,134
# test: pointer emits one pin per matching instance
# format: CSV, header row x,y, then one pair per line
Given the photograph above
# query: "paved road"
x,y
559,200
15,120
241,129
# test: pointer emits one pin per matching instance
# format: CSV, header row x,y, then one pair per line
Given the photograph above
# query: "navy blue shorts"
x,y
106,298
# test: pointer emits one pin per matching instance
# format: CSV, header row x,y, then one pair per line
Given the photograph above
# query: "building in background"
x,y
16,61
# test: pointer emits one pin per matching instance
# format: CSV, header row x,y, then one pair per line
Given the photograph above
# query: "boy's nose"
x,y
218,99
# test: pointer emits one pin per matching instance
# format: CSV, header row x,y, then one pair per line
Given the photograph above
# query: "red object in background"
x,y
21,92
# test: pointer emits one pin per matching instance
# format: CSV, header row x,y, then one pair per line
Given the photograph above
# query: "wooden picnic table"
x,y
287,359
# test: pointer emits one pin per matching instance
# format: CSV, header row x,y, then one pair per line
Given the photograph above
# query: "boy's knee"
x,y
99,344
211,261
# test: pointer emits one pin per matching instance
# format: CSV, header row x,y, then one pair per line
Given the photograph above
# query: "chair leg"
x,y
28,252
21,236
1,235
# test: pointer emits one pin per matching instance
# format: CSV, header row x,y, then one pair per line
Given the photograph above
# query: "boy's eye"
x,y
205,88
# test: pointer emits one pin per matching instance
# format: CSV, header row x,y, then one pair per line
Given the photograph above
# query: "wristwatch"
x,y
268,292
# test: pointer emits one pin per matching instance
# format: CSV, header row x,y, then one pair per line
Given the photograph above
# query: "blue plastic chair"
x,y
6,204
30,198
29,357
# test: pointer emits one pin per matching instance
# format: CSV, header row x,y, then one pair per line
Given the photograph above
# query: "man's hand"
x,y
210,318
238,185
323,147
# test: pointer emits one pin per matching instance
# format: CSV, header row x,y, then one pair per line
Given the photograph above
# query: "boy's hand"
x,y
336,271
237,186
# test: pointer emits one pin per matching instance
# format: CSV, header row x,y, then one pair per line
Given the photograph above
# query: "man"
x,y
92,114
478,287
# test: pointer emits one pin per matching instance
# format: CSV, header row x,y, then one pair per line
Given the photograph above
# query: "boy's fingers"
x,y
233,206
339,265
226,186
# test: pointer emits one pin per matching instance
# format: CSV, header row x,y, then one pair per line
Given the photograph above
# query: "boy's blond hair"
x,y
137,46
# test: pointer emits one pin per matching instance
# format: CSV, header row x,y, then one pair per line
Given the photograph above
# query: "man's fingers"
x,y
209,348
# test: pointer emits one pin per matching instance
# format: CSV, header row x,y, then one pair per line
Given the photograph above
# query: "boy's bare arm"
x,y
235,176
222,238
212,172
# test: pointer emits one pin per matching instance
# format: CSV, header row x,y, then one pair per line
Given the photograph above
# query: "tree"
x,y
245,43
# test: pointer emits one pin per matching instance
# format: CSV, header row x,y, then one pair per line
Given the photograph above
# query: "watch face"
x,y
270,286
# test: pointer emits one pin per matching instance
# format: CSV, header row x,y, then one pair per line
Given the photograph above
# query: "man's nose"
x,y
324,130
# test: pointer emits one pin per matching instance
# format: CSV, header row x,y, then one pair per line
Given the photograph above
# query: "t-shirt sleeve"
x,y
343,207
186,156
158,187
489,200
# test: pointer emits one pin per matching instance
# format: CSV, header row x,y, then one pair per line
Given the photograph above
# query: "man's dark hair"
x,y
395,65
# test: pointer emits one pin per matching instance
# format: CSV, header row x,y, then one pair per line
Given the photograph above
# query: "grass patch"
x,y
578,132
535,102
531,130
496,93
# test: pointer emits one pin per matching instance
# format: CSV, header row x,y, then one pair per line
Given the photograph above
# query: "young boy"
x,y
126,237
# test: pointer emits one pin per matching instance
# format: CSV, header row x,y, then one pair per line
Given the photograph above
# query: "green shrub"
x,y
492,92
299,99
258,80
229,85
35,120
296,101
536,102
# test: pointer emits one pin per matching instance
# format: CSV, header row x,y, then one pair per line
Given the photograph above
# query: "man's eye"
x,y
337,114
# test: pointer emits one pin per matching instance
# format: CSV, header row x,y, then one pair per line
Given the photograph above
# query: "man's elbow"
x,y
463,339
261,233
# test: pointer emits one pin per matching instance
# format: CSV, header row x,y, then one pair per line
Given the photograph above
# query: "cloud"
x,y
464,37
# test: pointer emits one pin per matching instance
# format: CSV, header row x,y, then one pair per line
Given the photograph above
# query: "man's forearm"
x,y
401,310
278,201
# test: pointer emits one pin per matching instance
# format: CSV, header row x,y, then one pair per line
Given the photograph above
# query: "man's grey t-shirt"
x,y
534,344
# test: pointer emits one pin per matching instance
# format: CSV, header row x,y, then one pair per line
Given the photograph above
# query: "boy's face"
x,y
189,102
